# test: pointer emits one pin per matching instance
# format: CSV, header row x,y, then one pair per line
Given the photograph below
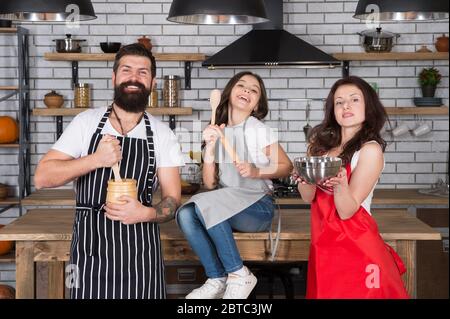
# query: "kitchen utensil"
x,y
5,23
82,95
3,191
53,100
146,42
117,189
442,44
317,169
427,101
170,90
110,47
116,172
307,128
68,45
214,100
378,40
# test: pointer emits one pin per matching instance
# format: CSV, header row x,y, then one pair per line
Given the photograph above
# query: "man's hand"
x,y
108,151
132,212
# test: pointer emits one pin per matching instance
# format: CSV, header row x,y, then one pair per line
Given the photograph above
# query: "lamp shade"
x,y
46,10
401,10
218,11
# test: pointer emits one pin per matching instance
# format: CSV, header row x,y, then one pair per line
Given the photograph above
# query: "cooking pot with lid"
x,y
378,40
68,45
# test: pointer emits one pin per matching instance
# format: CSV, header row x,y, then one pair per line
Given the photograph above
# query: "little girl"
x,y
348,258
243,200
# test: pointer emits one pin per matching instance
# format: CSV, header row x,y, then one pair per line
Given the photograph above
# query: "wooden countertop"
x,y
66,197
56,224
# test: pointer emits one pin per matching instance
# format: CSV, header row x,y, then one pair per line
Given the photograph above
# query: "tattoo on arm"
x,y
165,210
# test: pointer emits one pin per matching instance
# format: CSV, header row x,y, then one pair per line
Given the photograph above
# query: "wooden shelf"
x,y
192,57
416,110
8,88
66,197
76,111
9,145
8,258
391,56
9,201
8,30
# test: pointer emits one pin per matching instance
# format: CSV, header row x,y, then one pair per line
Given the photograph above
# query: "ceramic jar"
x,y
53,100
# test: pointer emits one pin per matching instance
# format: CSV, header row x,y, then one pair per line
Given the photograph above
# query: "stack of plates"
x,y
427,101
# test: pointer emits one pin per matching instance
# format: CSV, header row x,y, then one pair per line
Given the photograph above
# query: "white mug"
x,y
422,129
400,130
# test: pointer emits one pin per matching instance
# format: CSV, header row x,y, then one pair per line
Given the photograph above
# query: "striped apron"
x,y
113,260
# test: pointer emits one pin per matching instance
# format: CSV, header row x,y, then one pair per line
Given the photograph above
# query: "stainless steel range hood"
x,y
268,45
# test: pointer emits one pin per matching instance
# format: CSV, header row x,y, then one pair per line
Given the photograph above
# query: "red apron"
x,y
348,258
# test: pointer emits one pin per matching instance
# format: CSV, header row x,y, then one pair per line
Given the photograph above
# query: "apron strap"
x,y
102,122
151,176
274,243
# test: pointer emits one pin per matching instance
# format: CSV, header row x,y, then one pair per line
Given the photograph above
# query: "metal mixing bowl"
x,y
316,169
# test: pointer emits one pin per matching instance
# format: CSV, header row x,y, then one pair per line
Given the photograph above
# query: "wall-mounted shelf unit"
x,y
187,58
22,93
441,110
60,112
386,56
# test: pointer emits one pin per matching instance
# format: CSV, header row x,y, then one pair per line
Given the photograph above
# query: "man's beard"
x,y
134,102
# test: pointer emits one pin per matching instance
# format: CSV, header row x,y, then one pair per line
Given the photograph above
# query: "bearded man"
x,y
116,249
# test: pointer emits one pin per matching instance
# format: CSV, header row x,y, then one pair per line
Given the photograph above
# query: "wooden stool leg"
x,y
56,280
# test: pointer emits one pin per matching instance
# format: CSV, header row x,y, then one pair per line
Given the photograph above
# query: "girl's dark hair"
x,y
135,49
327,135
222,109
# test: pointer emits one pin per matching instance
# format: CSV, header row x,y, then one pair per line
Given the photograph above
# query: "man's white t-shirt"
x,y
76,137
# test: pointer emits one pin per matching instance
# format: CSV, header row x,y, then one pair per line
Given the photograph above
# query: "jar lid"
x,y
82,85
378,33
53,93
171,77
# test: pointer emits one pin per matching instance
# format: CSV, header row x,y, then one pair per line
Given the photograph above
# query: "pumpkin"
x,y
7,292
5,245
9,130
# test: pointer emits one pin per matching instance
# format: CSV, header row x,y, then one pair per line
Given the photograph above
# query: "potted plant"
x,y
429,78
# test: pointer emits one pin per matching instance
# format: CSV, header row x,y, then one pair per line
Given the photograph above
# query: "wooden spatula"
x,y
214,100
116,172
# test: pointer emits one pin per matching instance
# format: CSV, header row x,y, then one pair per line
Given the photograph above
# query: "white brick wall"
x,y
410,161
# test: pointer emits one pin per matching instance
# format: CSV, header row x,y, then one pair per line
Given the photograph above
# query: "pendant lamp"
x,y
401,10
46,10
218,11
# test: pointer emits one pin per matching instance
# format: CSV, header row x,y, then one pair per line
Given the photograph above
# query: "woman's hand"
x,y
298,179
248,170
132,212
340,181
212,133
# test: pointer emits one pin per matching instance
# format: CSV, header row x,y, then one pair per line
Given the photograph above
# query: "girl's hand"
x,y
298,179
132,212
212,133
246,169
339,181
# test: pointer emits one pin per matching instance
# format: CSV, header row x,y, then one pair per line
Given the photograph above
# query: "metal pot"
x,y
378,41
68,45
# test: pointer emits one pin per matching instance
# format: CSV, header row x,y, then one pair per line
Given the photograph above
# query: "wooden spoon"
x,y
214,100
116,172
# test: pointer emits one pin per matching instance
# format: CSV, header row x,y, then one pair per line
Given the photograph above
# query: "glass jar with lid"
x,y
171,90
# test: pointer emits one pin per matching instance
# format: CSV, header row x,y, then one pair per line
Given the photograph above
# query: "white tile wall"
x,y
411,162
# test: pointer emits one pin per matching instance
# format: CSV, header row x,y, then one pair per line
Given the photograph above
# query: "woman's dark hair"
x,y
327,135
135,49
222,110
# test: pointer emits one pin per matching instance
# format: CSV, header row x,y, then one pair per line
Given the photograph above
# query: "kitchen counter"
x,y
44,235
66,197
